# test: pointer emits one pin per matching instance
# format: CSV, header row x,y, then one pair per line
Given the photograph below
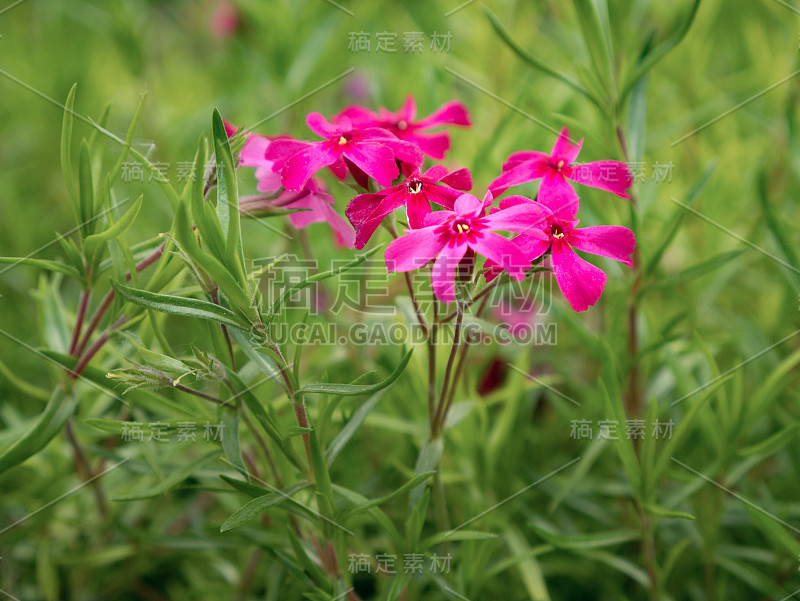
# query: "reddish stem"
x,y
109,298
76,332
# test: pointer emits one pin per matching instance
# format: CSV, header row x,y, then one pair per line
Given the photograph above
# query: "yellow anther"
x,y
558,235
462,228
402,124
415,187
342,140
560,165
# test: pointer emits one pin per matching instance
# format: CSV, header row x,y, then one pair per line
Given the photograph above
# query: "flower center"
x,y
559,165
402,124
556,231
461,226
414,186
342,140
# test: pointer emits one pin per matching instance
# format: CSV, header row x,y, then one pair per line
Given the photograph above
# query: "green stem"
x,y
438,423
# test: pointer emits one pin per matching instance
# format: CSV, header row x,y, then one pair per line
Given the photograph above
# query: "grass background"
x,y
725,289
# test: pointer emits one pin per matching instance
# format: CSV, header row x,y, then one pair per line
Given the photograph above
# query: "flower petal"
x,y
437,217
467,204
524,156
417,209
529,218
254,150
564,149
521,174
389,203
460,179
268,180
531,246
322,127
502,252
612,241
413,249
358,116
281,149
434,145
299,167
558,195
443,277
320,209
361,207
408,111
375,159
435,173
451,113
581,282
613,176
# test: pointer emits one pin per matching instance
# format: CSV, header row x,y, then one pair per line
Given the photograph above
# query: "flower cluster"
x,y
383,153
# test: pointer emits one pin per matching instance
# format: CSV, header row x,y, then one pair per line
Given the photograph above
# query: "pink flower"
x,y
556,168
317,205
366,211
252,155
404,125
372,150
224,20
448,235
581,282
313,198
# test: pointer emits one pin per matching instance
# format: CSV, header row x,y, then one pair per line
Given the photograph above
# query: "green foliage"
x,y
525,509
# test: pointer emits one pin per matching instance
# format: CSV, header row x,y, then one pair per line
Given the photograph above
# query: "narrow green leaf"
x,y
677,220
534,61
230,287
595,540
444,537
661,512
171,481
660,51
616,412
94,243
427,461
357,389
203,213
309,566
49,423
352,426
419,479
129,137
228,199
43,264
259,505
178,305
66,143
768,446
230,440
597,43
247,488
86,191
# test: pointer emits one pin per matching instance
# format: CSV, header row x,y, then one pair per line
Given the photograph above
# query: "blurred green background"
x,y
727,285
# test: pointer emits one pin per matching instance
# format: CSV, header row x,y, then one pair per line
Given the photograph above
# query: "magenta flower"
x,y
253,155
556,168
580,282
449,235
404,125
366,211
317,207
373,150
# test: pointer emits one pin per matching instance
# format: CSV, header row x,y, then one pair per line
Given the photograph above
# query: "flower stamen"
x,y
414,186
